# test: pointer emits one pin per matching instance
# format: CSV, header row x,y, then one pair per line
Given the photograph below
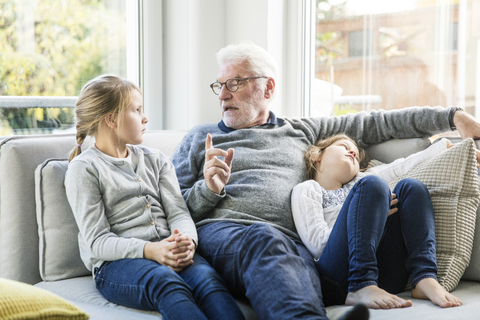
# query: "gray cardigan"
x,y
118,207
268,160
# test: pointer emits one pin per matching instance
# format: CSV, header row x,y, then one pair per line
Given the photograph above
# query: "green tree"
x,y
71,46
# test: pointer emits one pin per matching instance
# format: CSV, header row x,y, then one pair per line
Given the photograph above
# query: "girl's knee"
x,y
166,274
411,185
201,267
376,183
163,274
373,179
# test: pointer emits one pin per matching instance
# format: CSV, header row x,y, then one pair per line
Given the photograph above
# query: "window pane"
x,y
391,55
51,48
359,43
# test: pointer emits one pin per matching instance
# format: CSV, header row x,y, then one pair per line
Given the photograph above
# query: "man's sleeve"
x,y
380,125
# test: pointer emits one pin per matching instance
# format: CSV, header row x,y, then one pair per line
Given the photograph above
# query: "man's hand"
x,y
216,171
466,125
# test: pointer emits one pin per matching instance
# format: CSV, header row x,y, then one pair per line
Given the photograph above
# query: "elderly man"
x,y
237,176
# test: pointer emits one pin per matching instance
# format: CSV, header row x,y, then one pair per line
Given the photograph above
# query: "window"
x,y
50,48
376,54
359,43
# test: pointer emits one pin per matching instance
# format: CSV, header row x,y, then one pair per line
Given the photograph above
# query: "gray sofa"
x,y
38,235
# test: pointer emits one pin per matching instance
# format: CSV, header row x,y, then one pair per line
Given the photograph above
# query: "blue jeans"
x,y
146,285
367,247
275,272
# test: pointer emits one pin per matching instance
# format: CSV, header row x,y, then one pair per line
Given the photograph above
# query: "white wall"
x,y
181,38
206,36
152,81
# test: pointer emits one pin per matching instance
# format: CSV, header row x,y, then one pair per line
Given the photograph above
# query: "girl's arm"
x,y
401,166
178,249
85,197
176,211
308,215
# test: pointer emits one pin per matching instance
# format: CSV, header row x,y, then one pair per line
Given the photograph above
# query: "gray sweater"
x,y
120,206
268,160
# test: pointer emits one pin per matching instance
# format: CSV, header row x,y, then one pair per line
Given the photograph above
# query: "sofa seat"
x,y
87,297
467,291
82,292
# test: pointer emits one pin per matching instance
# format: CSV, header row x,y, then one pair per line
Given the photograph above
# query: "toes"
x,y
375,305
446,304
395,304
456,302
402,303
389,304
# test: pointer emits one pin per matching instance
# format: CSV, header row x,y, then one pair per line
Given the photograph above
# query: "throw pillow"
x,y
57,229
451,177
23,301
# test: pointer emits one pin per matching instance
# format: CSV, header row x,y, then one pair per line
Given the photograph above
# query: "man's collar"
x,y
272,119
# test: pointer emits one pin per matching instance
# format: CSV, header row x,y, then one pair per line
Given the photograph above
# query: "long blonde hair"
x,y
315,152
100,97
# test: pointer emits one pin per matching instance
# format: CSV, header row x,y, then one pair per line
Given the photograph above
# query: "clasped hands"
x,y
175,252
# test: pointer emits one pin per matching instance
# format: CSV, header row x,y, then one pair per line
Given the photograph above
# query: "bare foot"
x,y
376,298
430,289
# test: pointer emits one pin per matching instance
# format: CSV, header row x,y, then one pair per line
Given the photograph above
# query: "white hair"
x,y
254,58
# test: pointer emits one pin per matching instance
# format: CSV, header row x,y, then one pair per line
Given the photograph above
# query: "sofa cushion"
x,y
390,150
473,270
451,178
23,301
57,229
19,157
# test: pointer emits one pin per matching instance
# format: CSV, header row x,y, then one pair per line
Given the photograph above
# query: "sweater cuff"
x,y
452,115
211,196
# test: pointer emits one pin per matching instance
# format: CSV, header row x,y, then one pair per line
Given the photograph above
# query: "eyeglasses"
x,y
232,85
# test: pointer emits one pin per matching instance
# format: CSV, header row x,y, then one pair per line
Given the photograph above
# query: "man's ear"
x,y
110,121
270,88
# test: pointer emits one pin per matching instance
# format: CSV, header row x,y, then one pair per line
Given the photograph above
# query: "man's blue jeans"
x,y
146,285
275,272
367,247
